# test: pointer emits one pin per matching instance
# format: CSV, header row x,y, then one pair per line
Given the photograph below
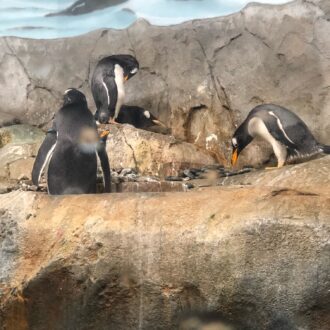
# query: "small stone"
x,y
147,179
131,177
189,174
33,188
126,171
188,185
173,178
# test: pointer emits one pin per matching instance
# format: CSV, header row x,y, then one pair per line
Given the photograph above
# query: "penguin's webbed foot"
x,y
274,167
113,121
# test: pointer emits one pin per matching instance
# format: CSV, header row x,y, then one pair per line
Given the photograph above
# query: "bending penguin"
x,y
108,85
285,131
141,118
70,148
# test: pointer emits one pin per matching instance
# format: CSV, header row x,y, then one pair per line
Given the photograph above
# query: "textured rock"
x,y
150,153
18,143
310,177
201,78
21,168
138,261
161,186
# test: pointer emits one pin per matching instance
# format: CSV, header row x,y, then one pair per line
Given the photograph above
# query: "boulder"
x,y
151,153
142,261
307,177
200,78
18,144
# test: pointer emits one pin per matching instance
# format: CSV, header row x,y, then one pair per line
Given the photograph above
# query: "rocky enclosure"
x,y
200,78
255,248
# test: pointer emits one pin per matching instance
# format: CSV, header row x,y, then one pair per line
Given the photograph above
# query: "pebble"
x,y
173,178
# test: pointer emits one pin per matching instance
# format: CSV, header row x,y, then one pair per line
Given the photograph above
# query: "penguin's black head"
x,y
138,117
72,96
128,62
239,141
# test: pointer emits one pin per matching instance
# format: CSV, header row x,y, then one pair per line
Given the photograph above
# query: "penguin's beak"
x,y
126,78
104,134
234,157
159,123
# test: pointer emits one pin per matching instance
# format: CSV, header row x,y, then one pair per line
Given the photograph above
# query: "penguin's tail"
x,y
325,149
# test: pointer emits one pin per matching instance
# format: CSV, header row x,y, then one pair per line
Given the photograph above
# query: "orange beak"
x,y
159,123
234,157
104,134
126,78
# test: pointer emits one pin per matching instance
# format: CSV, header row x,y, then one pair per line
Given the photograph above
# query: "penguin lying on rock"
x,y
108,85
141,118
285,131
70,148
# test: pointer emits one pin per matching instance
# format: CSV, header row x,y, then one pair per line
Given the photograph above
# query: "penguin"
x,y
288,135
140,118
108,85
70,148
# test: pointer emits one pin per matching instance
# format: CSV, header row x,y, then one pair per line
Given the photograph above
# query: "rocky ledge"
x,y
151,157
259,254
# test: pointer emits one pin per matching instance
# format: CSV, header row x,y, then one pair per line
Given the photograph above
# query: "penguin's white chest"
x,y
119,79
257,127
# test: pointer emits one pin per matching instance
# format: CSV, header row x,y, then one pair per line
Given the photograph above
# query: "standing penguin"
x,y
285,131
70,148
108,85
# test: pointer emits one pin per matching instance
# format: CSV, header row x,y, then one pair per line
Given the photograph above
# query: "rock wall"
x,y
260,255
201,78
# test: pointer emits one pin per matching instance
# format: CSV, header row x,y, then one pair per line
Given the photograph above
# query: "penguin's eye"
x,y
146,114
134,71
234,142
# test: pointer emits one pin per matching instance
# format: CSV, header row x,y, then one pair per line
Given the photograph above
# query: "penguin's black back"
x,y
287,128
72,171
135,116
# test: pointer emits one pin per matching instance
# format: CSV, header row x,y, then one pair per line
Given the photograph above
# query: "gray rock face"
x,y
152,154
200,78
18,145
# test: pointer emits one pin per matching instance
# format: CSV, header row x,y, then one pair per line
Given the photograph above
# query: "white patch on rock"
x,y
209,139
197,138
201,89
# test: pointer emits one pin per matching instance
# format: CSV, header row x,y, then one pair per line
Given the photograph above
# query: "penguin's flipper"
x,y
110,88
44,154
104,160
276,129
